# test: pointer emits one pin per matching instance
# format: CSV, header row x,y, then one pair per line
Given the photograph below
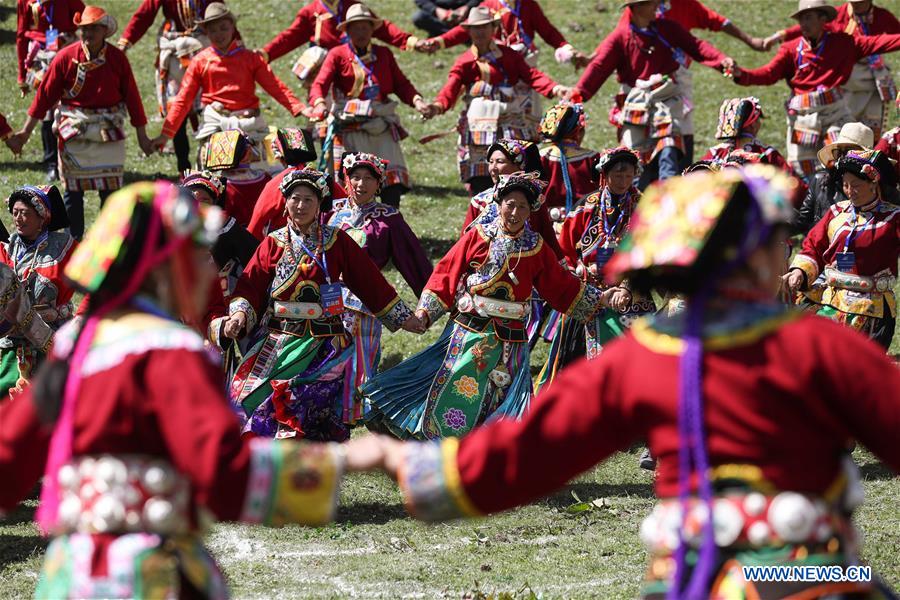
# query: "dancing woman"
x,y
293,381
478,369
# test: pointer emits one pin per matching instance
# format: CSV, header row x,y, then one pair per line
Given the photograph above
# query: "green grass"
x,y
374,550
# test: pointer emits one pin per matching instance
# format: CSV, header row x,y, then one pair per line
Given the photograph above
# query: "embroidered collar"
x,y
101,55
727,326
493,51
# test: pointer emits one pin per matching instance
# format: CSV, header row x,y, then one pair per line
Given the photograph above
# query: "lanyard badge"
x,y
330,294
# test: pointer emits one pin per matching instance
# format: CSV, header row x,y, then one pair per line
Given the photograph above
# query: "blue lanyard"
x,y
567,181
323,264
526,39
853,233
800,63
872,59
32,246
677,53
231,52
490,58
604,203
337,15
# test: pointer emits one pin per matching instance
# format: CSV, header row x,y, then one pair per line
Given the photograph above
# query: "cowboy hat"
x,y
853,136
480,15
94,15
822,5
360,12
214,12
628,3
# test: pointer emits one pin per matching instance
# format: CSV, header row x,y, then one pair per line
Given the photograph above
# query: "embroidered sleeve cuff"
x,y
809,267
410,44
586,303
292,482
214,332
394,314
239,304
317,101
433,305
264,54
430,482
124,44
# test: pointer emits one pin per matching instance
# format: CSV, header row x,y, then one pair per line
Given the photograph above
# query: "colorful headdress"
x,y
228,150
207,181
562,120
700,227
376,164
140,227
317,180
739,158
293,146
675,219
524,154
529,184
47,203
736,114
862,164
608,158
702,166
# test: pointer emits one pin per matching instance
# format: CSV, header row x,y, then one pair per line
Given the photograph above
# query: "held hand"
x,y
563,92
793,280
235,325
728,67
580,60
14,143
307,112
429,46
318,112
374,452
158,143
24,88
758,44
423,317
620,299
770,41
413,324
145,143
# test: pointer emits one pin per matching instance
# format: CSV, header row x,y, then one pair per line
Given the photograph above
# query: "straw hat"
x,y
853,136
214,12
480,15
360,12
94,15
822,5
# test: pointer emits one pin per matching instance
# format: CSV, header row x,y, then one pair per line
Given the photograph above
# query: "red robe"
x,y
582,174
637,56
179,14
27,28
513,30
826,67
535,267
778,396
346,262
341,70
105,86
876,241
268,213
316,24
539,220
136,407
509,70
229,79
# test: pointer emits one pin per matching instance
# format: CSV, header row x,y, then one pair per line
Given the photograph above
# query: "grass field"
x,y
374,550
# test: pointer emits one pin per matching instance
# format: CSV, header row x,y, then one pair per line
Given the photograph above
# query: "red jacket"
x,y
105,86
341,70
229,79
508,69
776,395
316,23
825,67
33,19
5,129
514,29
635,55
